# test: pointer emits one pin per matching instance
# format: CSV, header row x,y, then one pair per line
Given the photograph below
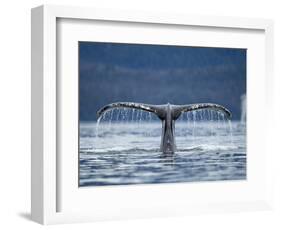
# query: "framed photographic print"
x,y
140,114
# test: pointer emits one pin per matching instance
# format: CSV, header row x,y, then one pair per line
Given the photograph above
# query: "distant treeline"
x,y
110,73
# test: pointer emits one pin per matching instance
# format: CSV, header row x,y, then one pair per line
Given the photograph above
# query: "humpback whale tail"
x,y
168,114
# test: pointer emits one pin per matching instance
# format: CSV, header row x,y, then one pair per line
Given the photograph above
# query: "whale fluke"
x,y
159,110
168,114
179,109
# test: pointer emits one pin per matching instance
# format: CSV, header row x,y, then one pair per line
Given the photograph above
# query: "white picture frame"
x,y
46,174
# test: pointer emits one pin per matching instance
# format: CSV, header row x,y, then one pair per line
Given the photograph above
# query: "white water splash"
x,y
196,122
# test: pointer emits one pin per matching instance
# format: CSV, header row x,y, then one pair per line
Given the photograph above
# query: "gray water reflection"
x,y
128,153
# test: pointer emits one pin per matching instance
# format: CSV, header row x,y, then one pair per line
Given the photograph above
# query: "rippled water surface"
x,y
128,153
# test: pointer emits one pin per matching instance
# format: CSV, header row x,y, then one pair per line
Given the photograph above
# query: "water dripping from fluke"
x,y
168,114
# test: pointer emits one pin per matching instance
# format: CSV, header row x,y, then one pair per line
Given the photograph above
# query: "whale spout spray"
x,y
168,114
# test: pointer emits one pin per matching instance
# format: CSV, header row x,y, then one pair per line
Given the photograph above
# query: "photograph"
x,y
157,113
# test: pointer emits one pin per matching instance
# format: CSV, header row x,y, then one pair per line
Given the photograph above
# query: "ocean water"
x,y
120,153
